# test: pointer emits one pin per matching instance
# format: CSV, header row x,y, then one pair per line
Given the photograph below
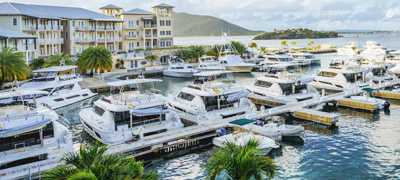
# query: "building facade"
x,y
70,30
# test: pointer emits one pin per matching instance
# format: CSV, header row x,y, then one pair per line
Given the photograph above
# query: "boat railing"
x,y
26,116
146,123
63,121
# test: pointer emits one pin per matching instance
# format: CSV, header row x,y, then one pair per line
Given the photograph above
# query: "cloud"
x,y
267,15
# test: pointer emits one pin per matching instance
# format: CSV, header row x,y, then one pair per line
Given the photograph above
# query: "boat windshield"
x,y
287,88
121,89
211,102
379,71
234,60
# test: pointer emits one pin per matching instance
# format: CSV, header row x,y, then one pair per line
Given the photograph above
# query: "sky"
x,y
267,15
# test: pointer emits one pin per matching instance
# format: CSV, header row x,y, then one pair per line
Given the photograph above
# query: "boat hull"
x,y
177,73
59,101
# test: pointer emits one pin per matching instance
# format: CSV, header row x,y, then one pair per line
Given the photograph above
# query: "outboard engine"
x,y
221,132
386,105
260,123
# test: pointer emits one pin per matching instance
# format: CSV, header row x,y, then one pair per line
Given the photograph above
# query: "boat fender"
x,y
221,132
386,105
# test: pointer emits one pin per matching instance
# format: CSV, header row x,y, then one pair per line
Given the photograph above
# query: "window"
x,y
137,22
147,44
59,99
74,96
162,43
131,45
73,35
162,23
263,84
169,43
66,35
137,33
85,94
168,22
131,24
327,74
98,110
168,32
73,23
137,44
162,33
186,96
74,49
14,21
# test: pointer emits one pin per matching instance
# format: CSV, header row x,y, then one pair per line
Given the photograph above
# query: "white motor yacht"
x,y
381,68
230,58
123,116
211,97
241,139
304,58
179,68
283,85
277,59
61,82
394,58
373,47
209,63
343,74
350,49
32,137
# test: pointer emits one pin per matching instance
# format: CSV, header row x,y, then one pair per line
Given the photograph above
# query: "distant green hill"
x,y
195,25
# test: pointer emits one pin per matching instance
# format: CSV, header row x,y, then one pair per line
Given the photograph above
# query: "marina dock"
x,y
359,104
193,135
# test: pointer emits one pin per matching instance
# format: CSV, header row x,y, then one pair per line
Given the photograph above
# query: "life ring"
x,y
130,105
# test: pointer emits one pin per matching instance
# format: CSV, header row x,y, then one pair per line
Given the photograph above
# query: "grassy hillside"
x,y
297,34
195,25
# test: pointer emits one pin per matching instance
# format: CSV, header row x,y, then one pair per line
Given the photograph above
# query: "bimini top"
x,y
55,69
24,128
242,122
20,93
213,73
132,81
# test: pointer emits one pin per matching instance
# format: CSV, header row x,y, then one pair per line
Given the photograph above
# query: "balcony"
x,y
80,28
84,40
131,26
31,47
48,41
100,39
154,35
41,41
29,28
110,39
48,27
62,28
55,40
131,37
25,47
41,27
150,26
55,27
134,55
101,28
117,39
62,40
117,28
91,28
147,36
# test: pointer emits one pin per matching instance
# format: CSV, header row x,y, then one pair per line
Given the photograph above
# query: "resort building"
x,y
20,41
66,30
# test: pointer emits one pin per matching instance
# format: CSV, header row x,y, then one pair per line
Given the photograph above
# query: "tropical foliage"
x,y
310,43
93,164
151,58
253,45
293,43
95,58
184,54
120,64
240,47
241,163
57,60
37,63
284,43
297,34
214,50
263,49
197,51
12,65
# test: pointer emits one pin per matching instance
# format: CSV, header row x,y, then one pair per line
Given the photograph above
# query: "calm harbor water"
x,y
362,146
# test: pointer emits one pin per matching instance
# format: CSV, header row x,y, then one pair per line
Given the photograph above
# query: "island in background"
x,y
189,25
296,34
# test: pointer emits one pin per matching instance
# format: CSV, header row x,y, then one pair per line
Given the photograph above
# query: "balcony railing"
x,y
21,47
91,28
155,35
41,41
101,28
55,27
62,28
31,47
41,27
149,26
48,27
117,28
29,27
131,37
62,40
117,39
100,39
55,40
48,41
134,55
147,35
109,28
110,39
131,26
80,28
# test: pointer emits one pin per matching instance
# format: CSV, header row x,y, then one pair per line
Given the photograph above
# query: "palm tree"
x,y
12,65
310,43
57,60
253,45
197,51
37,63
241,163
293,43
214,50
151,58
284,43
240,47
93,164
95,58
184,54
263,49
